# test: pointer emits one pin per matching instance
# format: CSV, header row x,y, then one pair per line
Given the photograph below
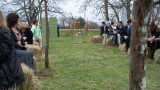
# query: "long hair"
x,y
2,21
153,26
23,26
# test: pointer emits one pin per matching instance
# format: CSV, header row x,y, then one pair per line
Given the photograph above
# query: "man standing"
x,y
36,32
58,25
128,35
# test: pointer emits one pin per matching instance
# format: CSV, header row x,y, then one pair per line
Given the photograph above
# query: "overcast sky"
x,y
73,6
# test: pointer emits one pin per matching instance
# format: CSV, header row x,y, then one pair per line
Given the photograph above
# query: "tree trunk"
x,y
106,9
47,37
128,9
116,13
158,11
139,38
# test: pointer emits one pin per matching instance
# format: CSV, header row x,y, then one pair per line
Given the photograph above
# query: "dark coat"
x,y
28,33
11,72
155,33
102,30
123,33
129,37
120,29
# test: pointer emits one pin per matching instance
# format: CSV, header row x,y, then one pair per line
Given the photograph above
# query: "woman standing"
x,y
11,72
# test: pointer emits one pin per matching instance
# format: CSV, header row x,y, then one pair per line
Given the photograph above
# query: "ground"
x,y
87,66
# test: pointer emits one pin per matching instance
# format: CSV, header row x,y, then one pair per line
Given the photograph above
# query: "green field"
x,y
87,66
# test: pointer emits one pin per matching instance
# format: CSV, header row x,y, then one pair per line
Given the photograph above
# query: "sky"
x,y
73,6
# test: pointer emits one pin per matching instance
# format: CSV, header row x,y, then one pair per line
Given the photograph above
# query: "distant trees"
x,y
30,10
66,21
119,10
93,25
82,22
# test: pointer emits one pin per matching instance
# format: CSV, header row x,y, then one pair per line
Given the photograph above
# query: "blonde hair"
x,y
2,21
23,26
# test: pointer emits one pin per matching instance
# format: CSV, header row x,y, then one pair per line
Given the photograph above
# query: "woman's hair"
x,y
153,26
35,21
23,26
2,21
112,22
12,19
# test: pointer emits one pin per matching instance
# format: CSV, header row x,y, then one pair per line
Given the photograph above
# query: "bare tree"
x,y
29,10
63,21
106,9
47,37
141,12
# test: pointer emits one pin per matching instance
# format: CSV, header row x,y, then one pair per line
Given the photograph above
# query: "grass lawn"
x,y
87,66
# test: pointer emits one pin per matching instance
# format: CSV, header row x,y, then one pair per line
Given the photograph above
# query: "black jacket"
x,y
102,30
155,33
11,72
28,33
120,29
124,33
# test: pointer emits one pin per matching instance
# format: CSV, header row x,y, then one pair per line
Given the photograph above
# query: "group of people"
x,y
121,33
14,37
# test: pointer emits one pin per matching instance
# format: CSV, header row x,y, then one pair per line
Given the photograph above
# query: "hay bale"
x,y
30,80
38,51
157,56
107,42
36,64
96,39
122,47
35,43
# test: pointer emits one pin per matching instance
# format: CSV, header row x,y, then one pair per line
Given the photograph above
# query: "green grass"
x,y
87,66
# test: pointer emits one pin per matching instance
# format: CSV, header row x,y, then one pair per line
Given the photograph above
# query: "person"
x,y
24,54
104,29
36,32
124,34
120,26
11,73
58,25
108,22
26,33
153,37
128,36
114,34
